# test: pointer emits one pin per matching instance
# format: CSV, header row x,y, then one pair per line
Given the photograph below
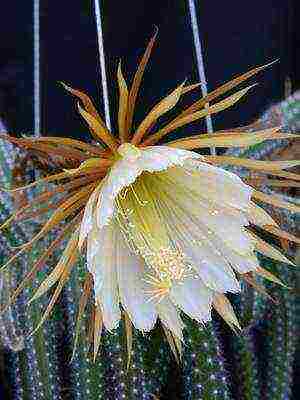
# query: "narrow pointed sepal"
x,y
223,306
129,338
98,326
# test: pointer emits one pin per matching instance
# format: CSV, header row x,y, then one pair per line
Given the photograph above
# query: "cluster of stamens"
x,y
168,263
169,266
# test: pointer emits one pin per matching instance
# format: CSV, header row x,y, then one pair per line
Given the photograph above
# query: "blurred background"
x,y
235,37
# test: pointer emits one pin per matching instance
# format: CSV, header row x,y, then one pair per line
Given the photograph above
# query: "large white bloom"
x,y
166,232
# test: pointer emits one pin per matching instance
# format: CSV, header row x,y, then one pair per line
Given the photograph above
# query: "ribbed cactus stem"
x,y
280,342
204,372
243,349
86,377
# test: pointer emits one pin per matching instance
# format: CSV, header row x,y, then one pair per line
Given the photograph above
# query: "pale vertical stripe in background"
x,y
102,62
36,69
200,62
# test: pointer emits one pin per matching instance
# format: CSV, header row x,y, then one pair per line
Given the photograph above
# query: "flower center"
x,y
146,232
169,263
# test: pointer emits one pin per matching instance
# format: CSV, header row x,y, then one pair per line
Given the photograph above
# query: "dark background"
x,y
236,36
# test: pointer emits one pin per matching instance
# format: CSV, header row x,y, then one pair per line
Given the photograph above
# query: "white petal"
x,y
258,216
212,269
194,298
218,277
219,185
160,158
229,227
122,174
214,237
202,250
169,315
125,171
217,199
224,253
87,220
132,289
93,244
103,268
229,230
241,264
